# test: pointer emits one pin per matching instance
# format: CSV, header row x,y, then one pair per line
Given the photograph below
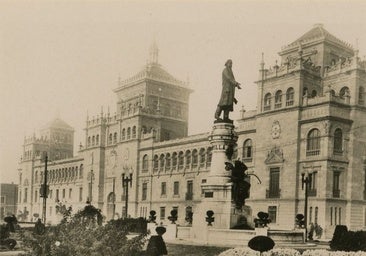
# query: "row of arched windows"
x,y
179,160
313,142
129,133
59,175
93,140
279,98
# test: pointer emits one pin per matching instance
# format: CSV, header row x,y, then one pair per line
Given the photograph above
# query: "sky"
x,y
64,58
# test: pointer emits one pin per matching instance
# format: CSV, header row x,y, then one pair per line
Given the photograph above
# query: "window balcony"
x,y
289,103
336,193
315,152
273,193
189,196
312,192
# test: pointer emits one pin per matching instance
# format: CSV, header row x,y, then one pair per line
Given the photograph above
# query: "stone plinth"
x,y
217,190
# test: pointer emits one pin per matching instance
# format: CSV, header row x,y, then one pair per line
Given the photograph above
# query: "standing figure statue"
x,y
227,94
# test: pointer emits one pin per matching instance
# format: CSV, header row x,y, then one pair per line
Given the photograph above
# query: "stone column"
x,y
217,190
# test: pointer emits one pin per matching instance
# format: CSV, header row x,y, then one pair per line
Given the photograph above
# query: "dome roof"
x,y
58,124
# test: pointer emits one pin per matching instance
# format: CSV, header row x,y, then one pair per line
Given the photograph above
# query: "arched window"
x,y
36,177
93,140
115,138
123,134
180,160
202,157
156,163
305,92
314,93
248,149
344,92
129,133
267,102
278,99
168,161
174,160
313,143
188,159
338,142
145,163
162,162
97,140
209,156
361,96
81,171
194,158
110,139
134,132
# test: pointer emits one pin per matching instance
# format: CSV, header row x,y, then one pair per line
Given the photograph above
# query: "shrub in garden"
x,y
248,252
82,234
339,233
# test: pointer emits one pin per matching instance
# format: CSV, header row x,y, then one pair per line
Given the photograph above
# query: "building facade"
x,y
9,199
310,121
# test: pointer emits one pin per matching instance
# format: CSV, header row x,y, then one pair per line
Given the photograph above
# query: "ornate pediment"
x,y
275,156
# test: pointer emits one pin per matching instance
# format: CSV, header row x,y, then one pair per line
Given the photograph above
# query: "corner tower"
x,y
154,101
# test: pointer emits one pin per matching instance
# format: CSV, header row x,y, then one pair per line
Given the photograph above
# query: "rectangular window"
x,y
336,190
144,191
35,196
176,208
189,195
70,193
340,216
272,212
80,194
274,183
162,213
176,188
316,214
331,216
57,195
63,194
335,216
50,213
2,199
25,195
50,193
163,188
312,185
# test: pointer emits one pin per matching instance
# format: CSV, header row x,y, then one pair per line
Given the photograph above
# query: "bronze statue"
x,y
227,98
241,187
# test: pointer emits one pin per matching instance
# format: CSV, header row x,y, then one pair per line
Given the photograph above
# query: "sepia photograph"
x,y
172,127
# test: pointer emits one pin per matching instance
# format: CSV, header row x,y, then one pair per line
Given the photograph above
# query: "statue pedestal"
x,y
217,191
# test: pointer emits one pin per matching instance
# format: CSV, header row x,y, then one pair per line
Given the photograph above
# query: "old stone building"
x,y
310,120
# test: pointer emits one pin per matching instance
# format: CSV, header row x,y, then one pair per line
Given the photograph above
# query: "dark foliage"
x,y
261,243
344,240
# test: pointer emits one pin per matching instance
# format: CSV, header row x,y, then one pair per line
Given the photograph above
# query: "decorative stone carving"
x,y
275,156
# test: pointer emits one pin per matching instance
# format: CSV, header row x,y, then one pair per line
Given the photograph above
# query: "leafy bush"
x,y
83,234
344,240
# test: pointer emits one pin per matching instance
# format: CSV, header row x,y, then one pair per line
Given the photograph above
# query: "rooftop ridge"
x,y
317,33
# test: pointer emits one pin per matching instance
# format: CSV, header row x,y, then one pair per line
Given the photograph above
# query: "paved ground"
x,y
188,248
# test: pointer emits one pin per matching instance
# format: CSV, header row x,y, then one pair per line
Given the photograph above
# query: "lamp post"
x,y
306,180
44,189
90,178
125,181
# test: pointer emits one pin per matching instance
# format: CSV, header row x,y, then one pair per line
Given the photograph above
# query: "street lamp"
x,y
90,178
125,181
306,180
